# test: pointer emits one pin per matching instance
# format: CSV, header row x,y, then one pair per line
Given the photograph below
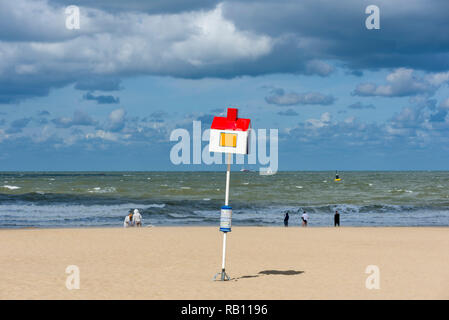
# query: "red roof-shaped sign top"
x,y
231,122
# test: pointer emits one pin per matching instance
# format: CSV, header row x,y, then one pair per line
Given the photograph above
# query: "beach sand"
x,y
263,262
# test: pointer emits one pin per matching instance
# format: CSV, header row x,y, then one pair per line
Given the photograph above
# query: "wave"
x,y
10,187
102,190
105,196
192,212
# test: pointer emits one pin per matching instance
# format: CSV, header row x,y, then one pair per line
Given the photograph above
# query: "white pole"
x,y
228,178
224,252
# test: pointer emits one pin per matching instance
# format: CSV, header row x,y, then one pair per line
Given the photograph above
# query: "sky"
x,y
108,95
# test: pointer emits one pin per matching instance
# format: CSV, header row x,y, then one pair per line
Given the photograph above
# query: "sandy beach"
x,y
263,262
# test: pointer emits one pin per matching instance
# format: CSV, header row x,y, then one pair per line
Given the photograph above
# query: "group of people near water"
x,y
133,219
305,218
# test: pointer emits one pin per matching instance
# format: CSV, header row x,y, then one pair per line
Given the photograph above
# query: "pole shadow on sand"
x,y
271,272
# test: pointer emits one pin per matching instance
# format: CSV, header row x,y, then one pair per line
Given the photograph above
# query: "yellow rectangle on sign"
x,y
228,139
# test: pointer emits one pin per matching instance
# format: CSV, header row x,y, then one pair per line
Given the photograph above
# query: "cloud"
x,y
288,113
330,135
325,120
198,38
103,135
410,34
79,118
101,83
416,127
191,44
101,99
206,119
356,73
400,83
426,124
117,120
318,67
218,111
153,6
43,113
18,125
359,105
39,53
439,116
281,98
445,103
158,115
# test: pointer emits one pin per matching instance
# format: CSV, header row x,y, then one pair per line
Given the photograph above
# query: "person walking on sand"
x,y
336,219
128,221
305,219
286,219
137,217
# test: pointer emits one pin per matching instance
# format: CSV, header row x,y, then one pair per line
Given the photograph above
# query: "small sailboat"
x,y
244,170
337,176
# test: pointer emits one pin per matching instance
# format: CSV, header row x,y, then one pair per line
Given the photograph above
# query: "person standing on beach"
x,y
286,219
137,217
128,221
305,219
336,219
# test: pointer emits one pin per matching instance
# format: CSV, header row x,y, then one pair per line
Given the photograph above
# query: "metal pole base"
x,y
223,276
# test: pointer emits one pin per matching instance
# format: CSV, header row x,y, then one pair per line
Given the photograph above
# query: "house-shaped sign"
x,y
230,134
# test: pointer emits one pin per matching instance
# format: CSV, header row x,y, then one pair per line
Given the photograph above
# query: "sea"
x,y
103,199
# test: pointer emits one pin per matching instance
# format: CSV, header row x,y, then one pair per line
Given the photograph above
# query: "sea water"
x,y
102,199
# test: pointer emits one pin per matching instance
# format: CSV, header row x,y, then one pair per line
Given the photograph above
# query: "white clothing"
x,y
137,217
127,223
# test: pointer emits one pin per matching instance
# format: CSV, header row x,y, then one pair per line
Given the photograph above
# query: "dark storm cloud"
x,y
18,89
151,6
410,35
198,39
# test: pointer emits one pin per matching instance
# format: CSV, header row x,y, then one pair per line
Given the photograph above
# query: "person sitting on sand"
x,y
137,217
305,218
128,221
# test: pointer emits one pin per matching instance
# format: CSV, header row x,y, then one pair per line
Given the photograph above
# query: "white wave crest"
x,y
10,187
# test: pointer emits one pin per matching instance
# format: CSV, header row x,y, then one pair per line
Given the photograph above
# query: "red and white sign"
x,y
230,134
